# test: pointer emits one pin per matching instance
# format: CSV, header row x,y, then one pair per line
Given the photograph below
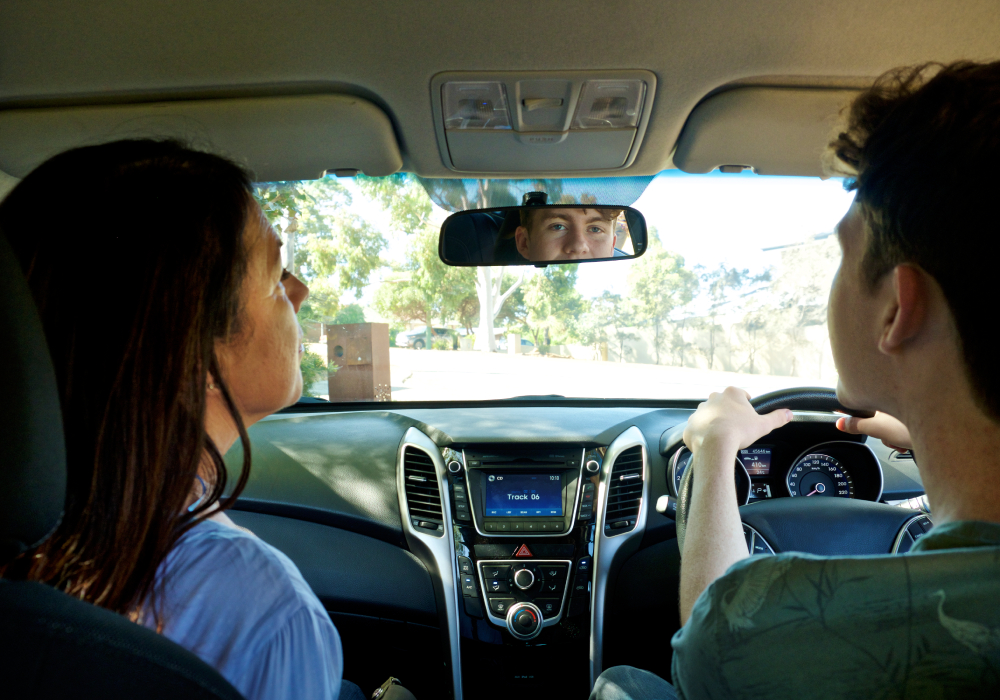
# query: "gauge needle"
x,y
812,492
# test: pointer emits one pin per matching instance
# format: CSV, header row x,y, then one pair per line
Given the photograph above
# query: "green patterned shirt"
x,y
925,624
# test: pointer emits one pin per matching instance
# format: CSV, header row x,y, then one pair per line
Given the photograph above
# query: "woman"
x,y
172,327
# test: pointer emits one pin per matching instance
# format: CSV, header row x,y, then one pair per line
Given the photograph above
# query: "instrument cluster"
x,y
789,468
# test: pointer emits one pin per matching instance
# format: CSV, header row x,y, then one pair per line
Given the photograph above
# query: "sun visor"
x,y
775,131
279,138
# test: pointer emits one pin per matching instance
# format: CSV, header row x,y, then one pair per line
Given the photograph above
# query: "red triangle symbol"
x,y
523,551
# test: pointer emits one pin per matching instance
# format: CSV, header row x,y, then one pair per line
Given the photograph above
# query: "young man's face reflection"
x,y
567,234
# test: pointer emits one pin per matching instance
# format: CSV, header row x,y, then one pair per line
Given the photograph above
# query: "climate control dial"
x,y
524,620
524,579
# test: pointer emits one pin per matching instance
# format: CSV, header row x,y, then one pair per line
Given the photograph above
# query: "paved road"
x,y
437,375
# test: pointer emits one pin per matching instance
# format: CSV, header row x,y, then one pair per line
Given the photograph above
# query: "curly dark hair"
x,y
921,148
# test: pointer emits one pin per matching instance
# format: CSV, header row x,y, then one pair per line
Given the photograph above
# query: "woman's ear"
x,y
906,318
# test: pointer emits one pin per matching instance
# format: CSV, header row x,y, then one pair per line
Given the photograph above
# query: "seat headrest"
x,y
32,445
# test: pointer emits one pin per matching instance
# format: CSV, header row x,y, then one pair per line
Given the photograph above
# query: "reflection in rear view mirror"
x,y
542,235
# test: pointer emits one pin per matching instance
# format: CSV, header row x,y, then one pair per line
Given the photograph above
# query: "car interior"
x,y
394,510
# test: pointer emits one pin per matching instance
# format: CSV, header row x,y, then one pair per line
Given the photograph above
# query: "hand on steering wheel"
x,y
881,426
729,417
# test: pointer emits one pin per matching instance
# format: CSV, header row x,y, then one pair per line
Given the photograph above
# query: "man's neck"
x,y
957,448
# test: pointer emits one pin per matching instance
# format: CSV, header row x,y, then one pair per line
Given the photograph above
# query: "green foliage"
x,y
551,303
352,313
330,248
313,370
658,284
609,319
446,343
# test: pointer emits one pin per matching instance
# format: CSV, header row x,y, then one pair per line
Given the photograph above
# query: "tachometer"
x,y
819,475
682,460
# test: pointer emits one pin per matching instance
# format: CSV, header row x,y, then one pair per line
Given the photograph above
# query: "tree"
x,y
723,284
659,283
423,288
608,312
330,248
551,303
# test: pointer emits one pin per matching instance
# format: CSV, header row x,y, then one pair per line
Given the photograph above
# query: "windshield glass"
x,y
731,291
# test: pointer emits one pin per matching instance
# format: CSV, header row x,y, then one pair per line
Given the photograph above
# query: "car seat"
x,y
51,644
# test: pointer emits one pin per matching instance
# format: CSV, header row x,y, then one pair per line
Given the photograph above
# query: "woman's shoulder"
x,y
218,564
244,608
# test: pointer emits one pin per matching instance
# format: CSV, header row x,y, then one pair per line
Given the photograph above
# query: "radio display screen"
x,y
523,495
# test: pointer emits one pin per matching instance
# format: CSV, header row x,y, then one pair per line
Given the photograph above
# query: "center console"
x,y
522,541
524,537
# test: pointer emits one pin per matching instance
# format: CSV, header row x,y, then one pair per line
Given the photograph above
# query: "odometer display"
x,y
819,475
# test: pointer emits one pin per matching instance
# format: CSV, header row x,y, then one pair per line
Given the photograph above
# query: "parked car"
x,y
526,345
417,338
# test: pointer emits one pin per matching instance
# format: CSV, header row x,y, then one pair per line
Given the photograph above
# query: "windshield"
x,y
731,291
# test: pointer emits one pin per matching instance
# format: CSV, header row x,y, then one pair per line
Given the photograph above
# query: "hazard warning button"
x,y
523,551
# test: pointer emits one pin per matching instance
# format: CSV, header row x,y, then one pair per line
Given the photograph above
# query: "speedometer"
x,y
819,475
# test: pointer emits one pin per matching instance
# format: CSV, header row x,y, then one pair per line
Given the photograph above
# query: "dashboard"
x,y
517,549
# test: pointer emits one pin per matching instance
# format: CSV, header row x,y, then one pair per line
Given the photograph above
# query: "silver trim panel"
x,y
502,621
440,548
754,535
561,533
605,546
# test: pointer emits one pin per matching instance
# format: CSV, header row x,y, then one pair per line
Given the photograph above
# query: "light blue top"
x,y
244,608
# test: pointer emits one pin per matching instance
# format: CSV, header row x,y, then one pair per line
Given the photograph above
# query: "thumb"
x,y
776,419
851,424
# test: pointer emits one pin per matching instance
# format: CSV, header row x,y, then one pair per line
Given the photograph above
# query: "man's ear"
x,y
908,314
521,240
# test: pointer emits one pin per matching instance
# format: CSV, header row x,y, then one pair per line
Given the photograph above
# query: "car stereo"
x,y
515,492
530,495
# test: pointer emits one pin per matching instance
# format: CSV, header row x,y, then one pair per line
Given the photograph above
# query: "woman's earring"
x,y
212,386
204,490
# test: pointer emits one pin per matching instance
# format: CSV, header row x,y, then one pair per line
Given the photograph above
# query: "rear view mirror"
x,y
542,235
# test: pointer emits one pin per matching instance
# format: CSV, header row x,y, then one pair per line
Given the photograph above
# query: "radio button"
x,y
503,526
499,606
489,526
531,526
517,526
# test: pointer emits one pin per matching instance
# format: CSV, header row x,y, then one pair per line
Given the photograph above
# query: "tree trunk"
x,y
485,339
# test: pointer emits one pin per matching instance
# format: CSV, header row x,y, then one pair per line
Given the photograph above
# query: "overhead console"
x,y
541,121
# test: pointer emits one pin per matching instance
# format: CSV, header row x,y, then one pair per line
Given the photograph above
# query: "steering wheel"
x,y
826,526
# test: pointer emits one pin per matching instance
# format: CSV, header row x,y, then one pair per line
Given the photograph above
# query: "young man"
x,y
912,334
567,234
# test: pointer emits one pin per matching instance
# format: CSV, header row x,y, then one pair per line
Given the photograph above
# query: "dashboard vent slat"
x,y
624,492
423,497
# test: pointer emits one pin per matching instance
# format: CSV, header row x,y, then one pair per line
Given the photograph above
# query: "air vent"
x,y
624,492
423,497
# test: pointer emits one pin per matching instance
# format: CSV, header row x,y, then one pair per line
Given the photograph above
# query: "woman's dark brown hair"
x,y
921,148
135,254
